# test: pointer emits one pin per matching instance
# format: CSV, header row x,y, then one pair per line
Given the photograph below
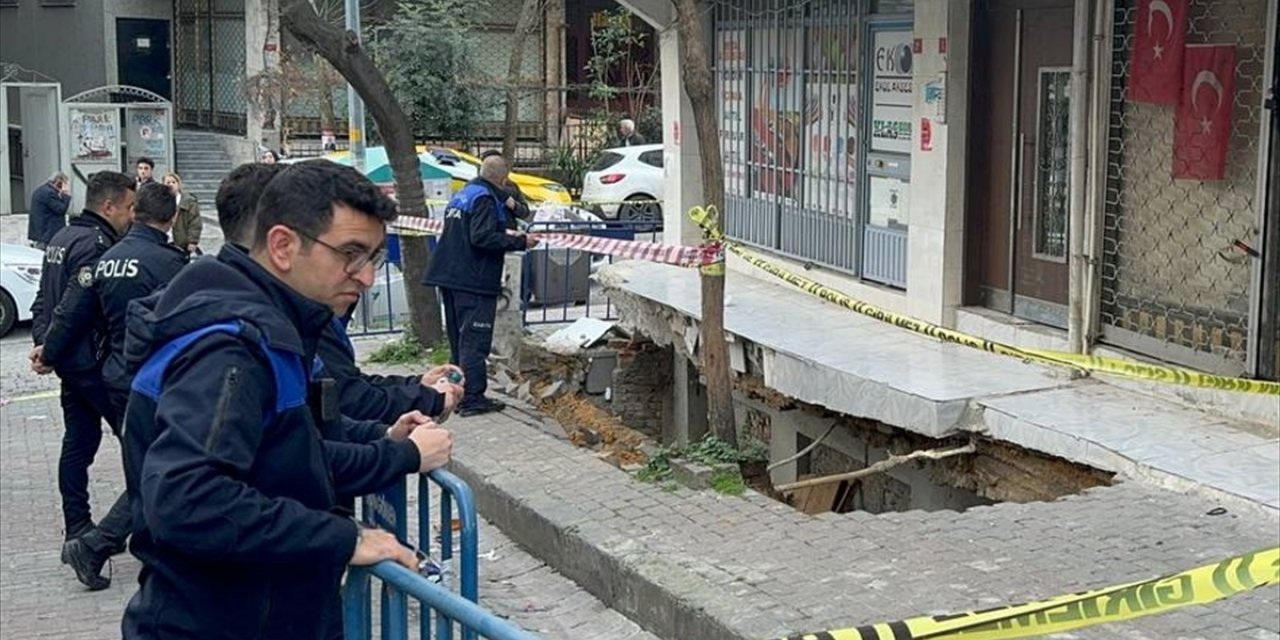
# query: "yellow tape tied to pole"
x,y
1201,585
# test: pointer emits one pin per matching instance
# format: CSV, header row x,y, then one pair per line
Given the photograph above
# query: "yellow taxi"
x,y
535,188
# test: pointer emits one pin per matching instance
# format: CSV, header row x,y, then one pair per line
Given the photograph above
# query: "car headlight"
x,y
28,272
554,186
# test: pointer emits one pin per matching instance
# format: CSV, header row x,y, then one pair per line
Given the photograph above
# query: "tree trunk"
x,y
524,25
695,71
342,49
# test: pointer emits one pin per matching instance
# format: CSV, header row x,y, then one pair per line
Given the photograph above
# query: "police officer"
x,y
360,396
70,339
467,267
231,486
140,263
516,203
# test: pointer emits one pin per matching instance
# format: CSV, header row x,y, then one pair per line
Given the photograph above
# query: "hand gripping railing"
x,y
388,509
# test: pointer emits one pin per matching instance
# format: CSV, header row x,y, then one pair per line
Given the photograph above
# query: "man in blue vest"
x,y
467,268
232,487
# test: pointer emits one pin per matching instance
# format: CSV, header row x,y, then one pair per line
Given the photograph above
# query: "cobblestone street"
x,y
41,599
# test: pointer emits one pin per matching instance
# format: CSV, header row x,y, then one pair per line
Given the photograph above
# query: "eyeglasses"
x,y
356,259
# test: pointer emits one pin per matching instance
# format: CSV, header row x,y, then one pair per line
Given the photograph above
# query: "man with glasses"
x,y
70,335
231,484
467,267
361,396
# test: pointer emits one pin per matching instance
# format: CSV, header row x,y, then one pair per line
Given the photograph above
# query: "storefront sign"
x,y
891,116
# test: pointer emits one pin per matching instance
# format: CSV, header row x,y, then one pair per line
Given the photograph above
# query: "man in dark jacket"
x,y
70,335
138,265
516,203
467,267
361,396
145,168
232,486
48,215
141,262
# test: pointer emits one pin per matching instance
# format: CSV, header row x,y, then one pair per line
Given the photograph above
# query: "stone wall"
x,y
641,384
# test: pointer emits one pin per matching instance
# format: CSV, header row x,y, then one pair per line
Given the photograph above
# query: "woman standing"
x,y
187,225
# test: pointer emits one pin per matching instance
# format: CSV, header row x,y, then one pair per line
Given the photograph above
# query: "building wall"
x,y
115,9
64,43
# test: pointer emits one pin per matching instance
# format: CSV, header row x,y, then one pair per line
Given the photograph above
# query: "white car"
x,y
626,174
19,281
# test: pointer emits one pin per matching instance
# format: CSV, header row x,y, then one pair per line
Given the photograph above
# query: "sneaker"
x,y
87,564
484,405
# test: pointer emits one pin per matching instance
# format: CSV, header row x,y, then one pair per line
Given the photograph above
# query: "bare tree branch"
x,y
342,49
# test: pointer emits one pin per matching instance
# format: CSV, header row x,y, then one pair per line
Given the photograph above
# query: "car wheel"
x,y
642,208
8,313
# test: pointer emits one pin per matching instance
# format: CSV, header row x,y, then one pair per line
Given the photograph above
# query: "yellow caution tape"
x,y
41,395
1112,366
1113,604
709,220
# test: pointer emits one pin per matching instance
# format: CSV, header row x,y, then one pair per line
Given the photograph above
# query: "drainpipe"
x,y
1100,105
1079,181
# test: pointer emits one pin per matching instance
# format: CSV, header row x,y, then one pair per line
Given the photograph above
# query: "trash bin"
x,y
557,276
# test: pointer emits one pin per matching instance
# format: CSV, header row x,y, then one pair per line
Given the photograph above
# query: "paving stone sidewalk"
x,y
41,599
699,565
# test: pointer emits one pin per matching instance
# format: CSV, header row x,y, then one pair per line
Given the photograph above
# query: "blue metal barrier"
x,y
444,602
388,509
557,284
384,308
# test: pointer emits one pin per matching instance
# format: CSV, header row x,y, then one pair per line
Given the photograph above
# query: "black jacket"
x,y
372,397
66,317
469,256
230,483
521,210
48,213
140,263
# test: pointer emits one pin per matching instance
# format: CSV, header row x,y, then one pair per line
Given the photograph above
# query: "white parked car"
x,y
19,280
626,174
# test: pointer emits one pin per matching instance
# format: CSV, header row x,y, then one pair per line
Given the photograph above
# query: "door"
x,y
41,142
1019,211
1269,315
142,54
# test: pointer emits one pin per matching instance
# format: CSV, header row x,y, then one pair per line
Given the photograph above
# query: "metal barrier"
x,y
384,308
557,284
440,608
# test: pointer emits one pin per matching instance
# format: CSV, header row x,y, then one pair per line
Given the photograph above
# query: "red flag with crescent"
x,y
1155,67
1202,127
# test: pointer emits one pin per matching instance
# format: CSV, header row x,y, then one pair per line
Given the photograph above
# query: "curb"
x,y
653,591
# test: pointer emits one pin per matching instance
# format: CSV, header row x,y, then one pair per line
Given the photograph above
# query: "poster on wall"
x,y
731,60
831,120
148,134
891,108
830,144
95,134
776,121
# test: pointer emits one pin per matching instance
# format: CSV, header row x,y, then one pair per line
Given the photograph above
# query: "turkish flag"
x,y
1155,69
1202,126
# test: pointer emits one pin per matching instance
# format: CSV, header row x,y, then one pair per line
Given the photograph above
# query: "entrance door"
x,y
1020,181
142,54
41,139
